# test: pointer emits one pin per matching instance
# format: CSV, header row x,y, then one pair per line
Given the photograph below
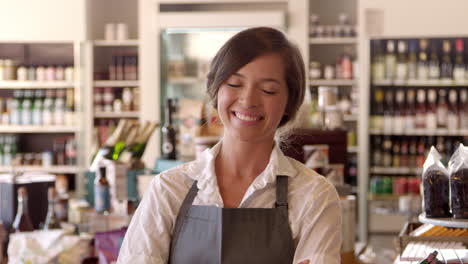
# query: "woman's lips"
x,y
247,117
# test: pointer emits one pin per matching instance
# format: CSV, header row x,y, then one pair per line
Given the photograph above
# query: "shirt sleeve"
x,y
319,237
148,236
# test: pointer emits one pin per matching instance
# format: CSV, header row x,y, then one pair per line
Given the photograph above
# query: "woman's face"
x,y
253,100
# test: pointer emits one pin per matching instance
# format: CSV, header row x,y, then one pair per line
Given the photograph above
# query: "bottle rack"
x,y
30,56
325,48
103,54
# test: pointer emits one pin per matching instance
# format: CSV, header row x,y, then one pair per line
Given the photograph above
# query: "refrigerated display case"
x,y
390,35
188,41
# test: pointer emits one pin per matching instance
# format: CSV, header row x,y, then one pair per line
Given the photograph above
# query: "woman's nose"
x,y
250,97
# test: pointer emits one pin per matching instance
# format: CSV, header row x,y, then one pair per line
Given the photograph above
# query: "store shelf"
x,y
421,132
350,118
395,171
420,83
447,222
332,82
35,85
116,114
51,169
37,129
116,83
324,41
116,43
185,80
353,149
383,197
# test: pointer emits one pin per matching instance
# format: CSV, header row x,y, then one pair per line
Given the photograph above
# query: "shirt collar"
x,y
203,170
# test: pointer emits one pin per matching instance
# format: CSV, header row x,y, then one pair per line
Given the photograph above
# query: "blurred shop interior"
x,y
101,96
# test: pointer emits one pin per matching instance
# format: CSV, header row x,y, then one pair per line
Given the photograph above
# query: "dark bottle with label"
x,y
446,65
396,153
168,133
377,151
22,222
387,151
101,192
404,150
51,221
413,150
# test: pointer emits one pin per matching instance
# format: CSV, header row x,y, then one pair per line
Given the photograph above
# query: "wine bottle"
x,y
107,149
101,192
124,141
135,149
168,133
51,221
22,222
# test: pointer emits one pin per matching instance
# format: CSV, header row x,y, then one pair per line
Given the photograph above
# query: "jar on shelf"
x,y
9,73
22,73
327,96
329,72
333,118
314,70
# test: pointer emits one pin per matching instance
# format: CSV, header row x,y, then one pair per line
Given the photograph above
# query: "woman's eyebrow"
x,y
262,80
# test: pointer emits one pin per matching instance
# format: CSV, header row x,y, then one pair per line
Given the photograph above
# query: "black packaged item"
x,y
458,168
435,186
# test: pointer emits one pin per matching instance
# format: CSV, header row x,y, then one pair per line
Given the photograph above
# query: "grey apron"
x,y
209,234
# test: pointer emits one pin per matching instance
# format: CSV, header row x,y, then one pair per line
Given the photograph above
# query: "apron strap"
x,y
281,191
183,212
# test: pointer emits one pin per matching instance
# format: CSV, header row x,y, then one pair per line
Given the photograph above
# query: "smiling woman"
x,y
243,201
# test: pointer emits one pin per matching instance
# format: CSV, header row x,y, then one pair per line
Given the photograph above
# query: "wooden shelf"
x,y
335,82
116,83
116,115
37,129
332,40
447,222
395,171
51,169
185,80
36,85
421,132
420,83
116,43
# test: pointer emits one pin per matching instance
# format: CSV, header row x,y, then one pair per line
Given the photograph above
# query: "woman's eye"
x,y
269,92
234,85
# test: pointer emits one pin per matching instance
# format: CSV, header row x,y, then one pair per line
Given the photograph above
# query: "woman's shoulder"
x,y
309,181
179,177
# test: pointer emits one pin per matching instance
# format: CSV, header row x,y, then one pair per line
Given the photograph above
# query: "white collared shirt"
x,y
314,210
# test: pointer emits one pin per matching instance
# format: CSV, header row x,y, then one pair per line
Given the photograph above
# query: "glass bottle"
x,y
38,107
51,221
431,115
410,108
26,108
412,60
389,113
70,108
413,148
15,111
446,66
48,108
463,109
59,108
404,151
459,67
421,111
442,109
434,66
421,156
377,117
399,113
453,123
396,153
387,151
390,61
101,192
168,133
423,64
377,159
378,61
22,222
402,62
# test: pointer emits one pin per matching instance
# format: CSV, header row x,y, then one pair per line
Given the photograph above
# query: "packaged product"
x,y
435,180
458,169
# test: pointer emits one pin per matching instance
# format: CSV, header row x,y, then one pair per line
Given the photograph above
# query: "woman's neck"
x,y
243,160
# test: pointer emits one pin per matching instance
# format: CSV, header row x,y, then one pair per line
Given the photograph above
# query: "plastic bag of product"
x,y
458,169
435,180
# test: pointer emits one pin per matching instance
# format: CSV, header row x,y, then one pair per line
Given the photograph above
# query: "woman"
x,y
243,201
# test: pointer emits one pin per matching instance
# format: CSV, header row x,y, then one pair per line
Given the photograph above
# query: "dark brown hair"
x,y
249,44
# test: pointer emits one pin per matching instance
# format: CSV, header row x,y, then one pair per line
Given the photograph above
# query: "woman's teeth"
x,y
246,118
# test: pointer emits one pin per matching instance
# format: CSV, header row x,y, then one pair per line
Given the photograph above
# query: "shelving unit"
x,y
35,85
116,84
23,129
116,114
420,83
51,169
420,132
116,43
332,82
332,40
